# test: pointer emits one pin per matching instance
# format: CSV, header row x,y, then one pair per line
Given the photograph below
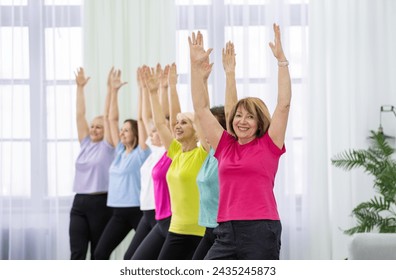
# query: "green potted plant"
x,y
379,213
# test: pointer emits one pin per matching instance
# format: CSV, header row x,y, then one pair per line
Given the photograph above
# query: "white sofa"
x,y
372,246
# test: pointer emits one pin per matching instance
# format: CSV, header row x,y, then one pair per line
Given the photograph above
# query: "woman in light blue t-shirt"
x,y
124,174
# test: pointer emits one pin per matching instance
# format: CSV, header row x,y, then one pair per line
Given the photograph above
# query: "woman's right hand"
x,y
81,80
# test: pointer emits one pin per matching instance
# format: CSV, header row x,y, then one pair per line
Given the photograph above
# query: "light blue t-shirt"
x,y
124,177
208,184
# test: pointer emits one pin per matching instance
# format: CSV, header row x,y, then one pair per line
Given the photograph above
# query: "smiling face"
x,y
127,135
184,128
245,125
96,130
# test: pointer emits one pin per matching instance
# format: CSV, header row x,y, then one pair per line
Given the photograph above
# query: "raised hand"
x,y
276,46
151,79
81,80
172,74
164,76
198,55
228,57
115,80
109,77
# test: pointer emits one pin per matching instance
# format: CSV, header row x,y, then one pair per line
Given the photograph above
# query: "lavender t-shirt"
x,y
92,166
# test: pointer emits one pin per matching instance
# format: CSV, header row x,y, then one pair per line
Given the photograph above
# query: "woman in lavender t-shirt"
x,y
89,214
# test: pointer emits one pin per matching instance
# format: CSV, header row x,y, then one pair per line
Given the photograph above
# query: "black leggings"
x,y
151,246
205,244
88,218
146,224
121,223
179,246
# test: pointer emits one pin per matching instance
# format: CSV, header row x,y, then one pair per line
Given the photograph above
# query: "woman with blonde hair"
x,y
187,158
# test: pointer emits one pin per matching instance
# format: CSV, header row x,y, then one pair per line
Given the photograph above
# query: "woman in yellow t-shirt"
x,y
187,158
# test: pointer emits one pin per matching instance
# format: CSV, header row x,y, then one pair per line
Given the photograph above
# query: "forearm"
x,y
231,97
164,100
113,111
199,93
80,102
174,106
158,115
146,109
284,87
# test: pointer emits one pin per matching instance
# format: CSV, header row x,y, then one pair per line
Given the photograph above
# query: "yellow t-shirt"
x,y
183,189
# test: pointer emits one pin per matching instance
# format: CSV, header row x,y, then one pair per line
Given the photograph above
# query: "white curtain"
x,y
125,34
40,45
249,25
352,73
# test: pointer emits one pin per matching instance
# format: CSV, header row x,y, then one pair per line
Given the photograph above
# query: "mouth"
x,y
243,128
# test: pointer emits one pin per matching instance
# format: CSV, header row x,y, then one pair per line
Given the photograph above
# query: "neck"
x,y
189,145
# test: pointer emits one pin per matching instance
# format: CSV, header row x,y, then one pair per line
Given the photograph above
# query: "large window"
x,y
248,23
40,46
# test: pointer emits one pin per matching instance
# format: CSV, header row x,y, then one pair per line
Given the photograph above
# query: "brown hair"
x,y
258,109
218,112
134,127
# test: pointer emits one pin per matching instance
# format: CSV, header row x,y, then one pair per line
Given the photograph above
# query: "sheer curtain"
x,y
40,45
124,34
352,73
248,23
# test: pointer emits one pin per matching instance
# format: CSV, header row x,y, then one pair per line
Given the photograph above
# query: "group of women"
x,y
192,185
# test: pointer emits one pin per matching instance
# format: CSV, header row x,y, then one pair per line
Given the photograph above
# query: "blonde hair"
x,y
258,109
190,117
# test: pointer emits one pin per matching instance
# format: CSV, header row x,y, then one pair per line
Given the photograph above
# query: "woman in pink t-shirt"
x,y
248,156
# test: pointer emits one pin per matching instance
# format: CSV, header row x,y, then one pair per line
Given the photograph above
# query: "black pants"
x,y
246,240
121,223
179,246
205,244
151,246
146,224
88,218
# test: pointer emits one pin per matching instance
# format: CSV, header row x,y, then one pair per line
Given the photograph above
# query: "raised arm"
x,y
231,97
173,98
164,86
106,123
152,82
200,69
142,131
116,84
277,128
82,123
146,106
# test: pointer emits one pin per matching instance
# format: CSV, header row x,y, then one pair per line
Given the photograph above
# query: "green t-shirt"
x,y
183,189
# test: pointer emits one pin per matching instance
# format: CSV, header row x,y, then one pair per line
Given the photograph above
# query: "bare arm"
x,y
231,97
152,83
199,69
164,85
106,123
277,128
174,102
116,84
141,127
82,124
146,107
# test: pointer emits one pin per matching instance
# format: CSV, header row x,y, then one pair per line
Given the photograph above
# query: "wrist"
x,y
283,62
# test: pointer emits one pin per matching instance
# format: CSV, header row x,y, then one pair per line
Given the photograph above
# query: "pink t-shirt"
x,y
161,191
246,177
